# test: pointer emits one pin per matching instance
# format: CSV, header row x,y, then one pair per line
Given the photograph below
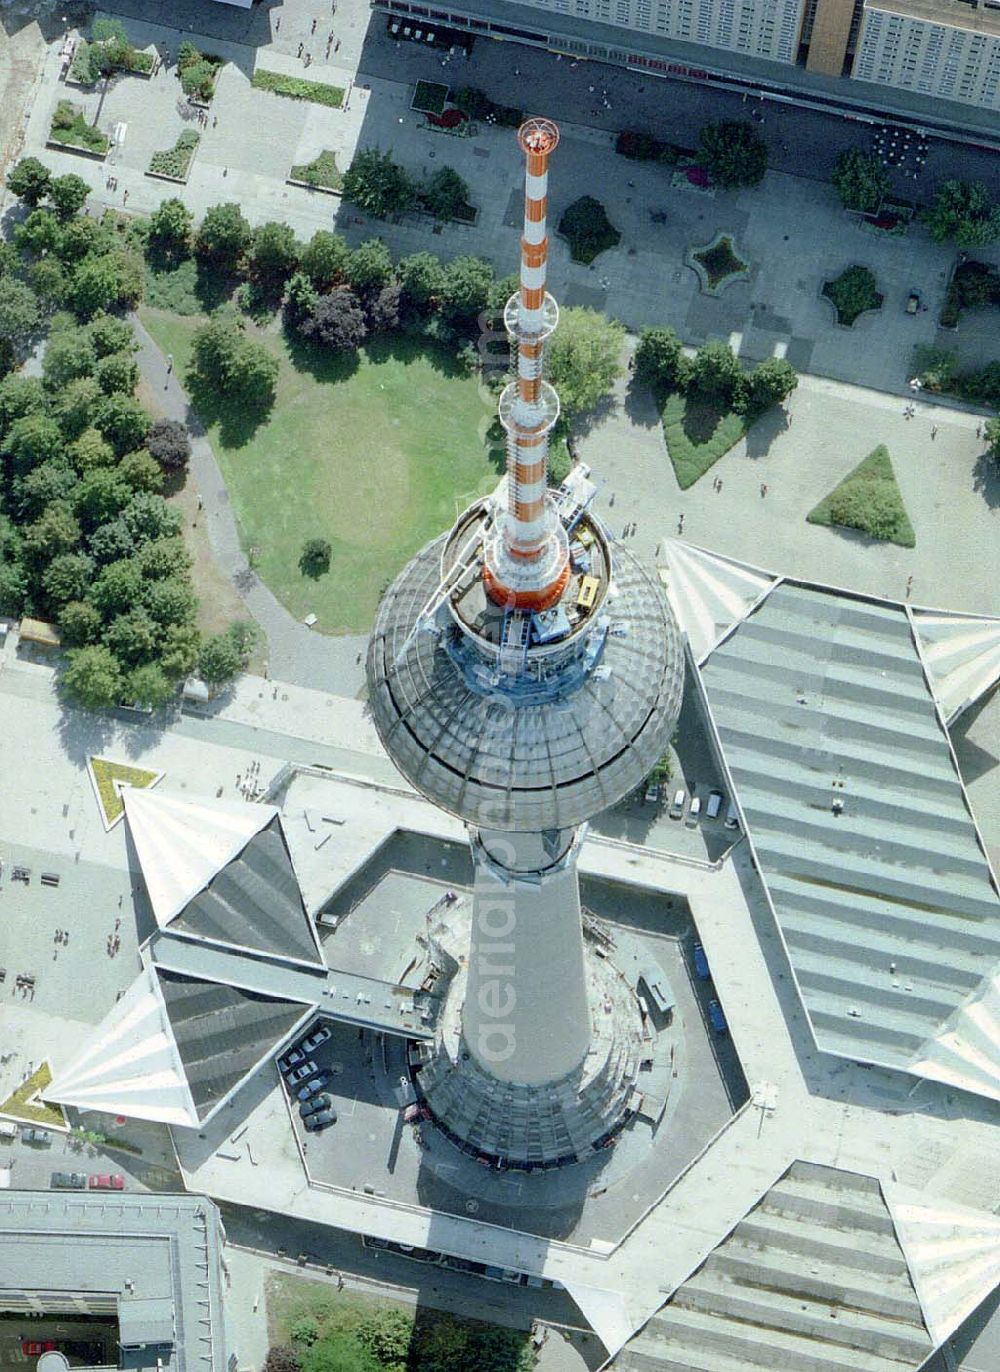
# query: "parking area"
x,y
85,1341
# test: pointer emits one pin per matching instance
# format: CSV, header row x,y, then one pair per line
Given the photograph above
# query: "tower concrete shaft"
x,y
528,566
526,1017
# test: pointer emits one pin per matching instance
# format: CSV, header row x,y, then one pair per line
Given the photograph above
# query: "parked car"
x,y
732,818
694,811
701,963
913,302
317,1037
107,1181
290,1060
716,1018
714,805
34,1348
300,1073
320,1120
652,796
315,1084
69,1181
39,1136
318,1102
677,804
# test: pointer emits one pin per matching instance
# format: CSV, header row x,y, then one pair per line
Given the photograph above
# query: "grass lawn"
x,y
720,261
374,454
322,171
429,97
106,774
352,1333
868,499
20,1105
697,434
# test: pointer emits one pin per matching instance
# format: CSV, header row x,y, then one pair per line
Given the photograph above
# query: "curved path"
x,y
296,653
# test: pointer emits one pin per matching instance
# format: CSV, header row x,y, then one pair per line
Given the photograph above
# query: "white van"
x,y
677,805
714,805
694,810
732,819
8,1131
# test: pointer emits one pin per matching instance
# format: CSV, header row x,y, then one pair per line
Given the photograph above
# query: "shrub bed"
x,y
868,499
198,72
71,130
718,263
175,163
321,172
587,229
852,293
429,97
296,89
477,105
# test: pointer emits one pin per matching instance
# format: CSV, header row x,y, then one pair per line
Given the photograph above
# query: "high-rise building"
x,y
525,673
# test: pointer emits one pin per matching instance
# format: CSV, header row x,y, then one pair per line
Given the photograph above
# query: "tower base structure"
x,y
541,1038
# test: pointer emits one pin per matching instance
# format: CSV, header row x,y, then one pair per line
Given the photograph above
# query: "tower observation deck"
x,y
525,673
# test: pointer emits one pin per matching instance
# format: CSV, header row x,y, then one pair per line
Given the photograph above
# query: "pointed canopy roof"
x,y
961,654
131,1065
953,1253
966,1050
709,593
182,844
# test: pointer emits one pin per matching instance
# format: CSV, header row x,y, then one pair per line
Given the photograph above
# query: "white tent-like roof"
x,y
966,1051
182,844
708,593
961,654
131,1066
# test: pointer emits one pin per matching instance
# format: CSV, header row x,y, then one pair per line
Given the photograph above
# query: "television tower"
x,y
525,673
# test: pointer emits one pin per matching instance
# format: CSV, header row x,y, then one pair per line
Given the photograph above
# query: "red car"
x,y
32,1348
104,1181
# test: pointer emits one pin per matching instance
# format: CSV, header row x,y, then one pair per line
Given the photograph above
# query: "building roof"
x,y
159,1255
834,740
961,654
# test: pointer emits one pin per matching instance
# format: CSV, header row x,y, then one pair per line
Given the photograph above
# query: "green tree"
x,y
225,235
171,600
315,558
445,194
100,496
10,258
387,1335
19,312
466,290
991,433
376,184
657,357
34,439
963,211
337,320
117,588
369,266
220,659
140,471
117,374
68,194
148,516
164,558
92,678
123,422
91,450
716,372
148,685
56,531
67,578
39,234
281,1357
198,79
29,180
734,153
860,180
421,276
110,335
301,298
384,309
79,623
111,542
324,259
770,382
131,637
13,588
179,650
69,354
83,237
49,281
170,228
50,481
583,358
107,282
275,253
226,360
20,395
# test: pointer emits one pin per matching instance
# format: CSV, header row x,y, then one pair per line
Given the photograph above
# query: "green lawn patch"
x,y
868,499
193,286
321,172
852,293
351,1333
587,229
429,97
698,432
107,779
70,128
718,264
374,453
297,89
175,163
23,1104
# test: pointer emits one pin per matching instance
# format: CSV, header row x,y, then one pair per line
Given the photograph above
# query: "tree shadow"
x,y
765,430
237,420
213,285
642,405
408,348
321,363
702,415
986,478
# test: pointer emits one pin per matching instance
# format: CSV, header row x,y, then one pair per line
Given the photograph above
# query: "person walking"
x,y
933,431
909,584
